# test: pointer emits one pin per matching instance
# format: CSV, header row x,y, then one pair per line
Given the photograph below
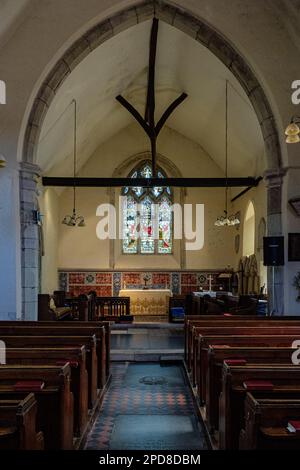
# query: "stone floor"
x,y
147,406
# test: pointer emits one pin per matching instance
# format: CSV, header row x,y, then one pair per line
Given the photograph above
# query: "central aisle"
x,y
147,406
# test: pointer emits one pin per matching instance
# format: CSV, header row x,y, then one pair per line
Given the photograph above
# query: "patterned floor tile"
x,y
163,406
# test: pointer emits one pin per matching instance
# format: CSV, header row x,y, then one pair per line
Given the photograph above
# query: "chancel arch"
x,y
68,71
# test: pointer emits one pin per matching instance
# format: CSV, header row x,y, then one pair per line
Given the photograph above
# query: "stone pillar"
x,y
274,181
30,244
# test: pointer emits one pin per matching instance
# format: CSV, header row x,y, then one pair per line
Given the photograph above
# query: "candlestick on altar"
x,y
210,278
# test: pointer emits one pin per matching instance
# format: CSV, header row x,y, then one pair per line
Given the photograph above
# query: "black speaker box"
x,y
273,251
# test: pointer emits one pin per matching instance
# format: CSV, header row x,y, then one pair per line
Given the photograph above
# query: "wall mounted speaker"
x,y
273,251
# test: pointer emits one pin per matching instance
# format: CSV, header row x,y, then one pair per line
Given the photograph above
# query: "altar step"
x,y
150,342
146,356
150,318
118,327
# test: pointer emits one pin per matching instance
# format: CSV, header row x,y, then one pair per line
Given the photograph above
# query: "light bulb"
x,y
292,129
66,220
81,222
292,139
2,161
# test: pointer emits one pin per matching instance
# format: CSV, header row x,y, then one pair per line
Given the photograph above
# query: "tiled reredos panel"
x,y
108,283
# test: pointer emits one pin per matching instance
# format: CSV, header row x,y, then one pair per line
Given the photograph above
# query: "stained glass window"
x,y
147,216
129,226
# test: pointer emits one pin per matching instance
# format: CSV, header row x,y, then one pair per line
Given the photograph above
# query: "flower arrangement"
x,y
297,284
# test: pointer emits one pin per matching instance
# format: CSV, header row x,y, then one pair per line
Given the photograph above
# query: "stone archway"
x,y
199,31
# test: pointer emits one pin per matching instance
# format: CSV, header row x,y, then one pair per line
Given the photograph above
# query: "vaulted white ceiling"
x,y
120,66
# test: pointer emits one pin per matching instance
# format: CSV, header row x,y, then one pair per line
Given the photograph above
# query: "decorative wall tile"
x,y
188,278
116,283
161,279
132,278
110,283
176,288
189,289
63,281
202,279
76,278
104,291
90,278
104,278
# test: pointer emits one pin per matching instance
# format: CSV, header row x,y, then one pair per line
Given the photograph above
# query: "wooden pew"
x,y
89,342
55,400
251,355
96,324
233,341
103,347
266,422
194,320
201,332
217,320
76,357
192,325
18,425
62,330
231,415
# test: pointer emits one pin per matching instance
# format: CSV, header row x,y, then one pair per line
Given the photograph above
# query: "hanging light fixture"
x,y
2,161
74,219
226,220
292,131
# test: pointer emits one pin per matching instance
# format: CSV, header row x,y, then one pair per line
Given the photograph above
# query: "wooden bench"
x,y
63,330
18,425
266,422
191,325
201,332
89,342
250,355
231,414
76,357
194,320
103,347
55,399
237,341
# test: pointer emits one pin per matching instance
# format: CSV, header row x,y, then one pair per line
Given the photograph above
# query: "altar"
x,y
148,301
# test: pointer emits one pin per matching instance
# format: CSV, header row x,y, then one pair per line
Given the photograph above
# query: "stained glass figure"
x,y
147,228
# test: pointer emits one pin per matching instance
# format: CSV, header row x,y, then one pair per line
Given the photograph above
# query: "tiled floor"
x,y
147,406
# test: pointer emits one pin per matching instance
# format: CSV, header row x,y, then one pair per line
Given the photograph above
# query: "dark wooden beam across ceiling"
x,y
150,182
258,180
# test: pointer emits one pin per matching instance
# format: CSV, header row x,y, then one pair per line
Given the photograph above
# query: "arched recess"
x,y
200,31
184,21
249,231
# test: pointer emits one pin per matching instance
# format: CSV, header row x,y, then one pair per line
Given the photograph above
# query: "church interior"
x,y
149,225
